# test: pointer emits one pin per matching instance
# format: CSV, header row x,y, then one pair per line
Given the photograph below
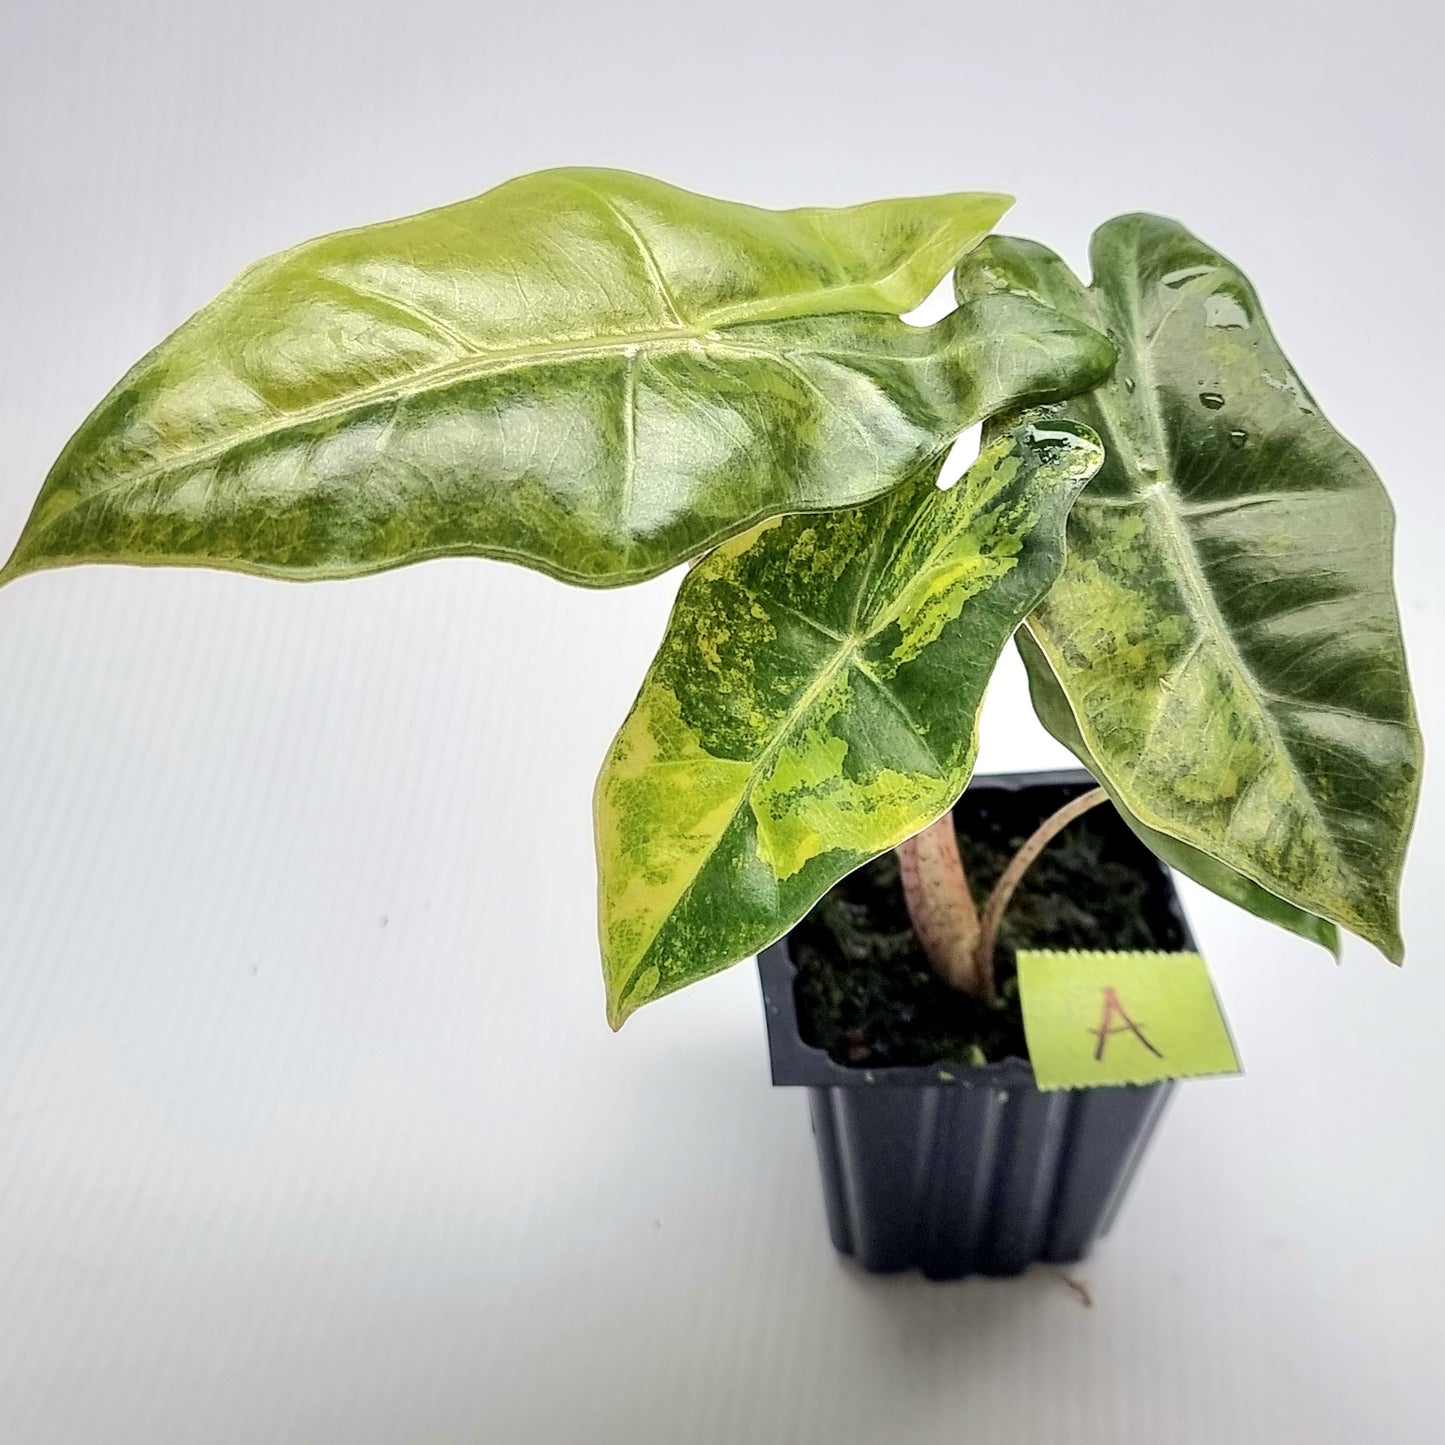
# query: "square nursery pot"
x,y
955,1169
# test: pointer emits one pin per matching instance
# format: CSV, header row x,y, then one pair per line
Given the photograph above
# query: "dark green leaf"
x,y
1225,631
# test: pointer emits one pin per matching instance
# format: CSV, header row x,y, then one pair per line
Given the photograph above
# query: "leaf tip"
x,y
13,568
1384,933
616,991
626,996
1000,203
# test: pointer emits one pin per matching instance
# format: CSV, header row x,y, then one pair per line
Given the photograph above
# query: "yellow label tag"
x,y
1121,1018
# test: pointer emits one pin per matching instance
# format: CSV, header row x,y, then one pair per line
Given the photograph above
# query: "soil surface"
x,y
865,991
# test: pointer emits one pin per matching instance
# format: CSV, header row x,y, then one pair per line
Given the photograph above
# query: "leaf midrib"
x,y
826,674
418,383
472,367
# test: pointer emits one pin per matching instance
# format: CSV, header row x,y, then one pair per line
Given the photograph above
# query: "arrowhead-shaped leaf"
x,y
586,371
1225,630
814,703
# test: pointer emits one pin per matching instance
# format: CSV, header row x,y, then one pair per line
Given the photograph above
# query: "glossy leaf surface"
x,y
585,371
1225,630
815,702
1054,712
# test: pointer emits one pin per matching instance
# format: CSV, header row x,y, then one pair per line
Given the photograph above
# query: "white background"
x,y
311,1129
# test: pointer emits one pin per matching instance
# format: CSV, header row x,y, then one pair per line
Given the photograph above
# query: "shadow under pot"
x,y
937,1148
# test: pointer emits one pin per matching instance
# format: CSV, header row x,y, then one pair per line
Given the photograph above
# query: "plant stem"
x,y
1012,876
940,904
958,945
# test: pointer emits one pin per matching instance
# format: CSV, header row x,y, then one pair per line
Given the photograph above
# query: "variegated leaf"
x,y
1053,710
1225,631
586,371
814,703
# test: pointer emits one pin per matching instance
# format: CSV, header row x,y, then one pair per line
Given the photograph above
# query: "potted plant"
x,y
601,376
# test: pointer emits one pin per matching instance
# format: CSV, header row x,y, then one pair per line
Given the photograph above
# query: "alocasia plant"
x,y
601,376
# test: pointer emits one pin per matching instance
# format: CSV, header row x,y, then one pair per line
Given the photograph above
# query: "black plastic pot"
x,y
959,1170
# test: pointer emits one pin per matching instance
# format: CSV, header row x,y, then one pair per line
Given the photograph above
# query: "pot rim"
x,y
796,1062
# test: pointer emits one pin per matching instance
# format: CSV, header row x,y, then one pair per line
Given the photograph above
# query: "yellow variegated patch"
x,y
815,702
1054,711
805,804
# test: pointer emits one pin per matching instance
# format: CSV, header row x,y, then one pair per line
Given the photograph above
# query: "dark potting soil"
x,y
865,991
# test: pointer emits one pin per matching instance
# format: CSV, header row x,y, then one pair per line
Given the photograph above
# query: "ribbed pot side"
x,y
957,1170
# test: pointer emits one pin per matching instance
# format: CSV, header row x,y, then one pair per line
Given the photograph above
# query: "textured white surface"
x,y
310,1126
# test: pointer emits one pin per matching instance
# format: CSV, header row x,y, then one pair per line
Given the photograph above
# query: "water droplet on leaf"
x,y
1223,311
1211,399
1238,438
1129,385
1175,279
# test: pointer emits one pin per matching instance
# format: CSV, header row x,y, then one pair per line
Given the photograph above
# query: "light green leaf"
x,y
1225,630
814,703
1054,712
586,371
